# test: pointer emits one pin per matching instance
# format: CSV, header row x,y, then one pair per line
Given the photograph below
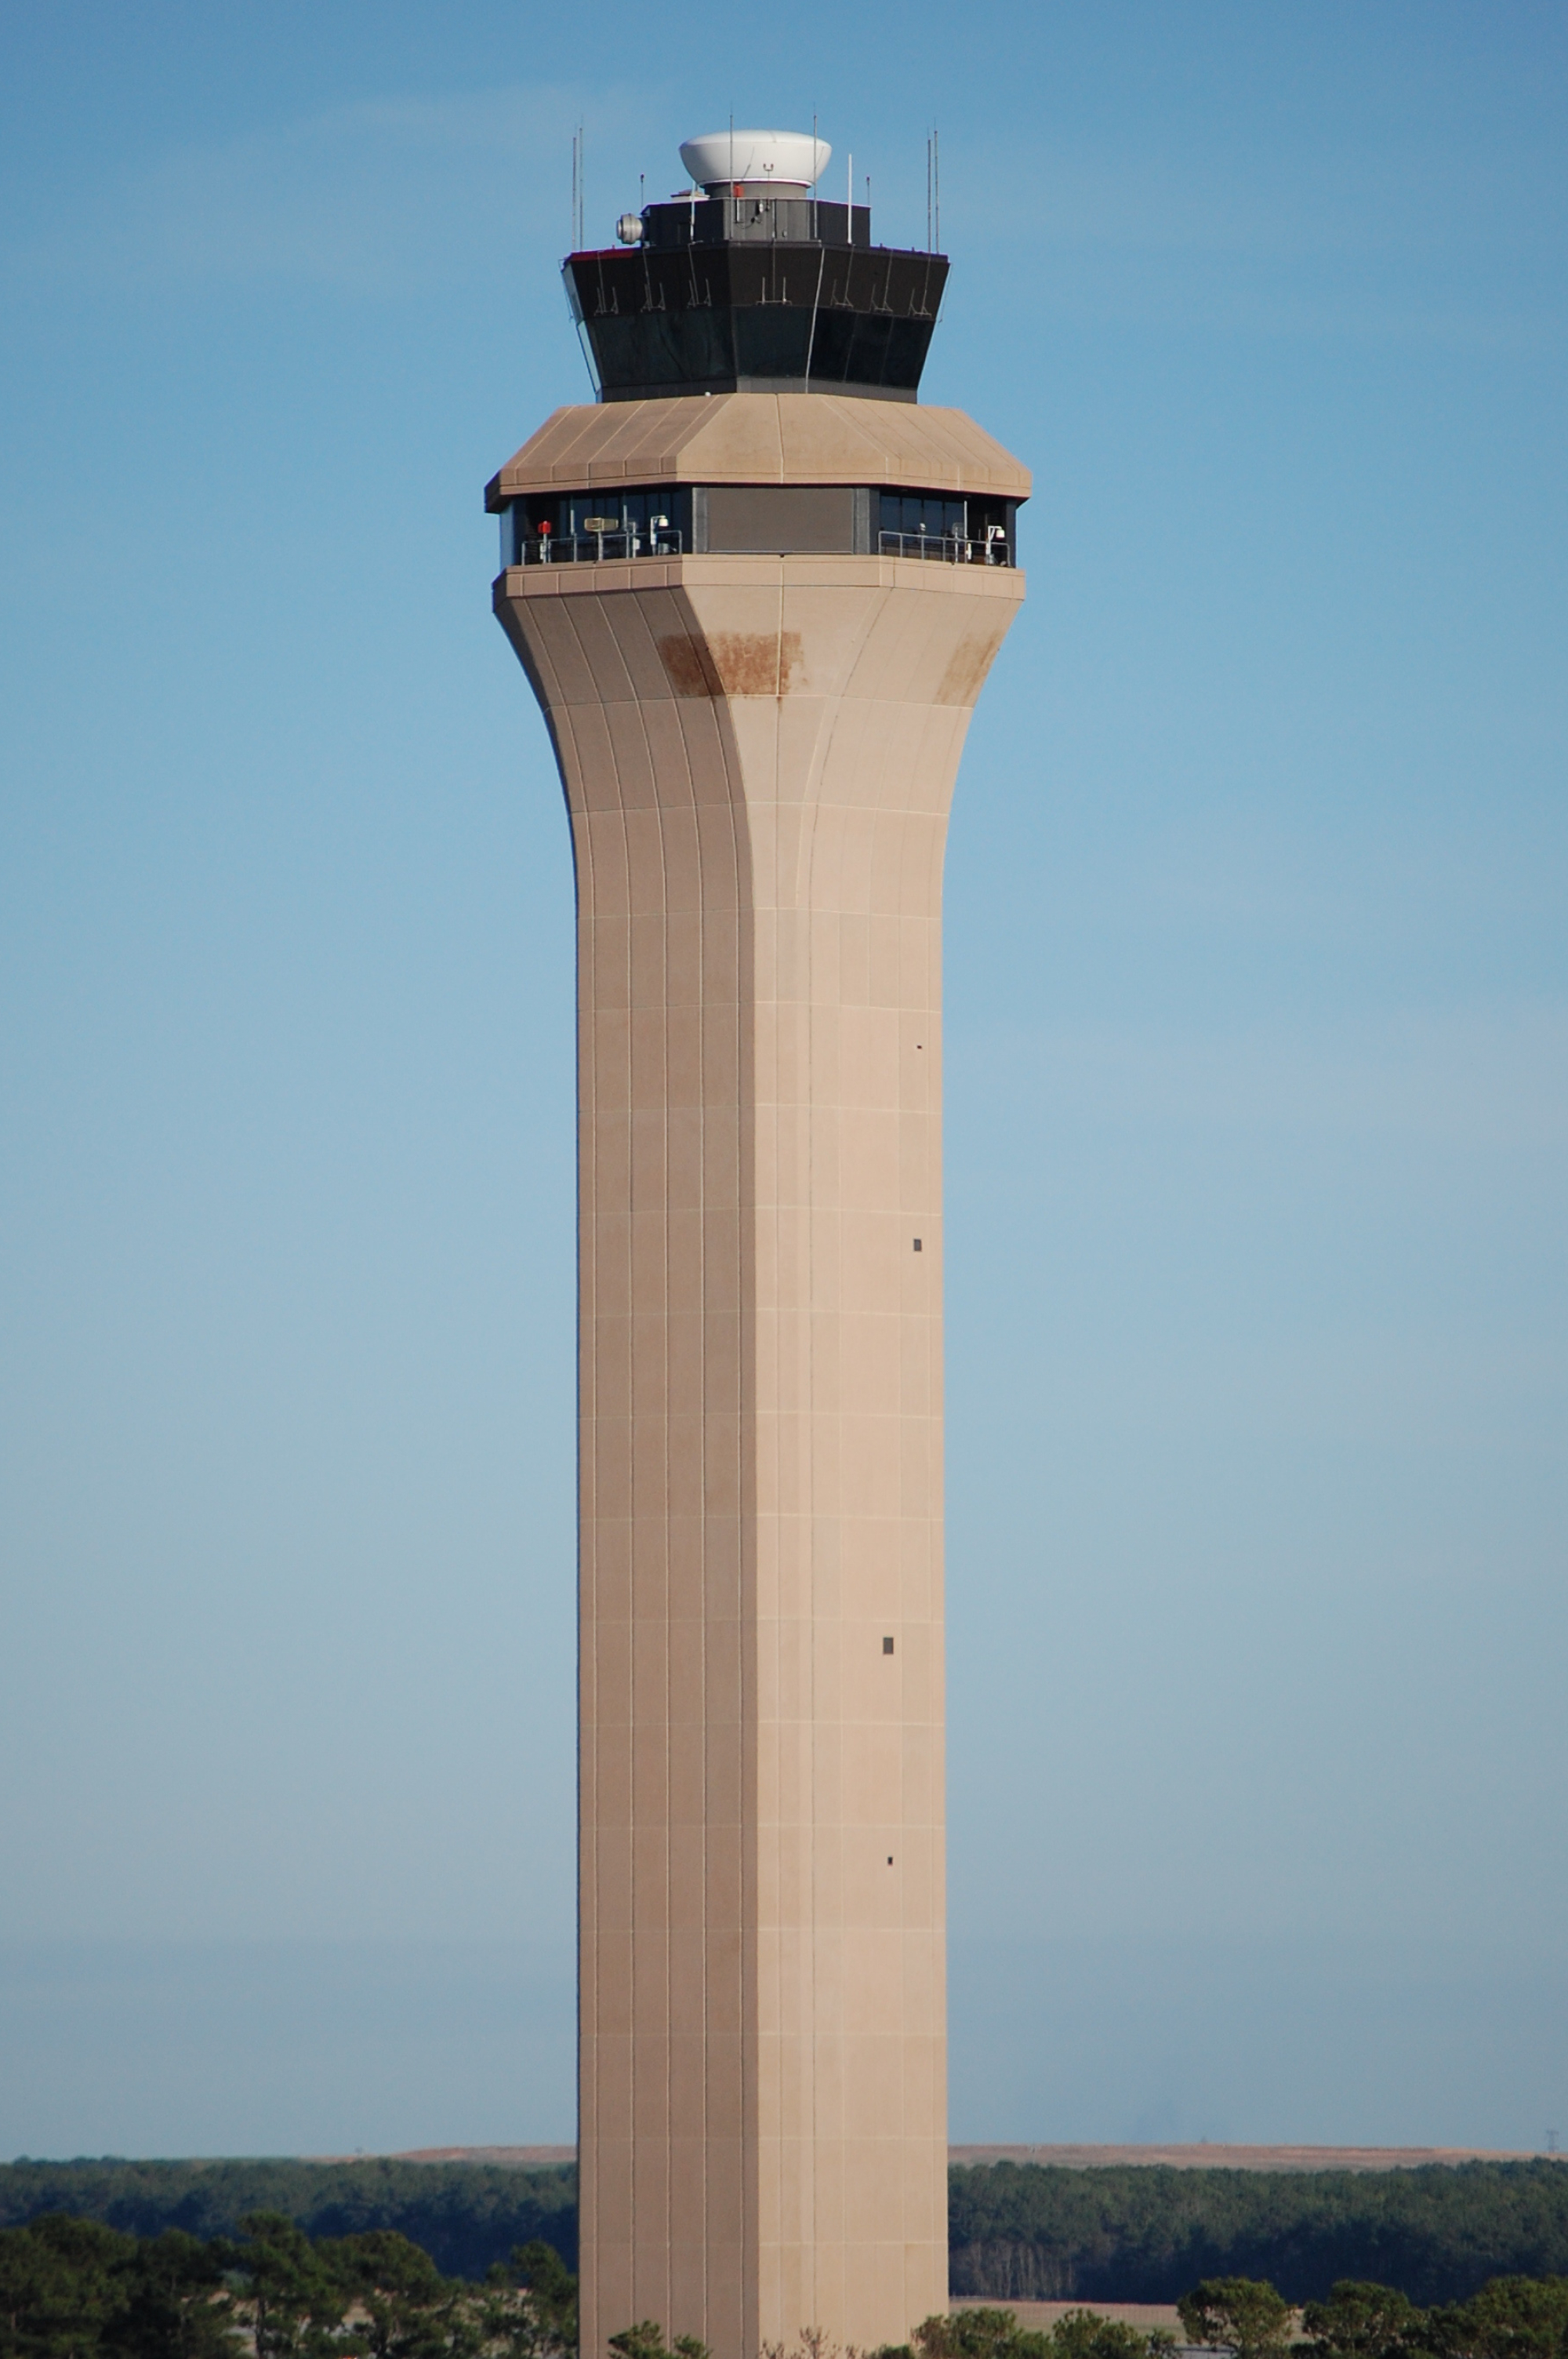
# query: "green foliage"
x,y
976,2334
1361,2321
70,2288
176,2307
401,2305
464,2215
541,2268
75,2289
985,2333
530,2312
61,2281
1511,2318
1030,2232
1084,2334
1243,2315
647,2341
291,2296
1337,2241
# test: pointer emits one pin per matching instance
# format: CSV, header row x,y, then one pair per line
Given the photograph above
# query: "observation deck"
x,y
748,475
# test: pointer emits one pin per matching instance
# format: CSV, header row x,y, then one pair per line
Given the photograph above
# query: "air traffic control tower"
x,y
756,589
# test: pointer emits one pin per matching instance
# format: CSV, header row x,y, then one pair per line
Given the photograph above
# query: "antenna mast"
x,y
578,207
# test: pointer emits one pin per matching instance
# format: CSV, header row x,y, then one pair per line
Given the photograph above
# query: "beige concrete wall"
x,y
758,756
761,437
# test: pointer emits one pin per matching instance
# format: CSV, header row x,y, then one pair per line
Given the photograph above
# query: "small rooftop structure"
x,y
789,161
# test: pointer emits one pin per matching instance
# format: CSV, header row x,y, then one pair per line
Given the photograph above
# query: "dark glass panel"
x,y
908,344
657,348
830,349
868,349
927,512
695,316
772,341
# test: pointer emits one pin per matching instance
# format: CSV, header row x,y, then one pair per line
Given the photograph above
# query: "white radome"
x,y
786,160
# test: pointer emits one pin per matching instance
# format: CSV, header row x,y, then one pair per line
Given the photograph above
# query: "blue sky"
x,y
1256,1045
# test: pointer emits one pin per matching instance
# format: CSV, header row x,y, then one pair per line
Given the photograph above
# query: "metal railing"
x,y
663,540
595,548
945,547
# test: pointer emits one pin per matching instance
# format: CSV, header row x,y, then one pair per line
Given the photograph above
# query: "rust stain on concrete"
x,y
966,669
733,663
685,669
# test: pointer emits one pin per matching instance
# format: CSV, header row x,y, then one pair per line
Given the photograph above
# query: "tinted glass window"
x,y
934,516
575,516
924,512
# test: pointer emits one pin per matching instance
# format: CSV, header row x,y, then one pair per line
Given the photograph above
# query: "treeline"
x,y
1030,2232
1245,2318
73,2288
1509,2318
465,2215
1016,2232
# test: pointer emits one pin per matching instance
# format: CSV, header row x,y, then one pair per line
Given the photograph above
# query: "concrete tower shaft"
x,y
758,751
